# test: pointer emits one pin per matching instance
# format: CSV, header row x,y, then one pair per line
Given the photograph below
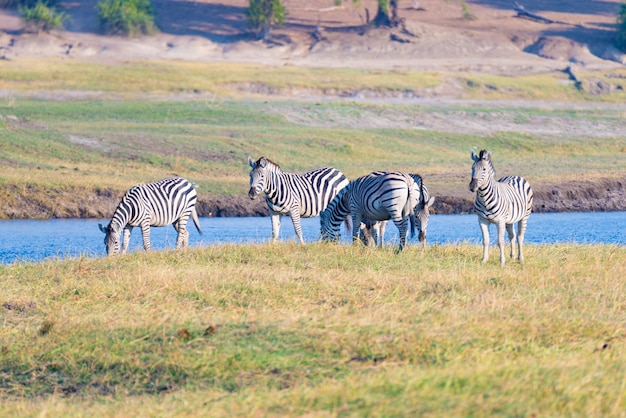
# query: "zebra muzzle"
x,y
251,193
473,185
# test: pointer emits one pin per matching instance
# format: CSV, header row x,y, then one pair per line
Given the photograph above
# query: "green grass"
x,y
115,144
316,329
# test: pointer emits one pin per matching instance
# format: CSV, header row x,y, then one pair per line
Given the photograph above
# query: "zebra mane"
x,y
269,162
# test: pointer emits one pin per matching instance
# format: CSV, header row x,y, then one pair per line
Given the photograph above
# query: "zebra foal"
x,y
503,202
378,196
296,195
168,201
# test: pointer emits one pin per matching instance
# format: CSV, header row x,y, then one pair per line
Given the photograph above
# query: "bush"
x,y
262,15
41,17
620,41
126,17
5,4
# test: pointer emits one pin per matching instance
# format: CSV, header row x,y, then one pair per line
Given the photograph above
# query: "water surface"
x,y
62,238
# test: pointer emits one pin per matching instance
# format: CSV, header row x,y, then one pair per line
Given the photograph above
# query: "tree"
x,y
262,15
387,13
620,40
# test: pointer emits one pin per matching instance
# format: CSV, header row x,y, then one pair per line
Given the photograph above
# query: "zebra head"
x,y
111,238
421,219
258,175
335,213
482,170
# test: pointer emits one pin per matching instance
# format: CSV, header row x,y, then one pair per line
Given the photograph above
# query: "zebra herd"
x,y
366,203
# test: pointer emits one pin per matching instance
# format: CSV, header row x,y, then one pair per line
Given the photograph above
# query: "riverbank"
x,y
601,195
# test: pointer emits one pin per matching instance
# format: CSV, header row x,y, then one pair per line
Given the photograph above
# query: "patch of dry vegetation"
x,y
317,329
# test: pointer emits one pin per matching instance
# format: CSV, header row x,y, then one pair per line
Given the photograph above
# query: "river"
x,y
31,241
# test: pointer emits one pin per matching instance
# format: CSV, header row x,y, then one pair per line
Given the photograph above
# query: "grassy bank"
x,y
318,329
61,155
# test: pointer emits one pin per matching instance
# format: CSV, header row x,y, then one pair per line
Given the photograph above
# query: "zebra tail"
x,y
409,210
194,216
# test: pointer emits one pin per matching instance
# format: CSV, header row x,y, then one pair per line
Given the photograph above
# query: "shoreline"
x,y
600,195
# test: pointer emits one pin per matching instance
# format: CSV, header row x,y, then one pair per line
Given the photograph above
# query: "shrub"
x,y
5,4
620,40
41,17
126,17
262,15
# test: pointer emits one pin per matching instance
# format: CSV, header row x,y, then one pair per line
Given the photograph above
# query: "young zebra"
x,y
378,196
168,201
297,195
374,231
503,202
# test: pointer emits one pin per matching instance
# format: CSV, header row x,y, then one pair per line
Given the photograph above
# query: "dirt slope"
x,y
434,35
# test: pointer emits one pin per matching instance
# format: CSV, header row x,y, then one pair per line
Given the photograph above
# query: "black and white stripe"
x,y
378,196
168,201
503,202
297,195
374,231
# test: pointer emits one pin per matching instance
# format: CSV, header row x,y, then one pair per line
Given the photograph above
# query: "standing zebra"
x,y
375,231
168,201
297,195
378,196
503,202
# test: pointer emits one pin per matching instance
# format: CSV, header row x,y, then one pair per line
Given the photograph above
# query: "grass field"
x,y
317,330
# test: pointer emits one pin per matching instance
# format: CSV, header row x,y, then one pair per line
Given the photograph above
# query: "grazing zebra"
x,y
168,201
503,202
378,196
375,231
297,195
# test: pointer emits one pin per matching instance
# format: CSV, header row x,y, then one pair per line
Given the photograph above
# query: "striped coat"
x,y
296,195
170,201
378,196
504,202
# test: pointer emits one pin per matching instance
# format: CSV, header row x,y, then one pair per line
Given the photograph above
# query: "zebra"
x,y
168,201
378,196
503,202
297,195
374,231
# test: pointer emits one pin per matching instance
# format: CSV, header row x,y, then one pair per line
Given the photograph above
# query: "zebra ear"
x,y
251,161
103,228
485,155
474,156
262,162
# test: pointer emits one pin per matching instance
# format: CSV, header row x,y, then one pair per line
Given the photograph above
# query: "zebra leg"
x,y
511,231
126,239
356,220
402,225
484,227
295,219
521,230
501,244
275,226
183,235
145,233
381,232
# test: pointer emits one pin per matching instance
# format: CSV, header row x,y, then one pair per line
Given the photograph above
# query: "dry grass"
x,y
323,330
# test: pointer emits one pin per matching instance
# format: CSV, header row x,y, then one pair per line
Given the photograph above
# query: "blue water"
x,y
62,238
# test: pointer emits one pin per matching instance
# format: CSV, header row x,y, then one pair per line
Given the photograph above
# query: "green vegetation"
x,y
317,329
126,17
99,129
620,40
41,16
263,15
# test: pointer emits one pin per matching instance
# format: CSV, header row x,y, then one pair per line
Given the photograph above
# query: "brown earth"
x,y
434,35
